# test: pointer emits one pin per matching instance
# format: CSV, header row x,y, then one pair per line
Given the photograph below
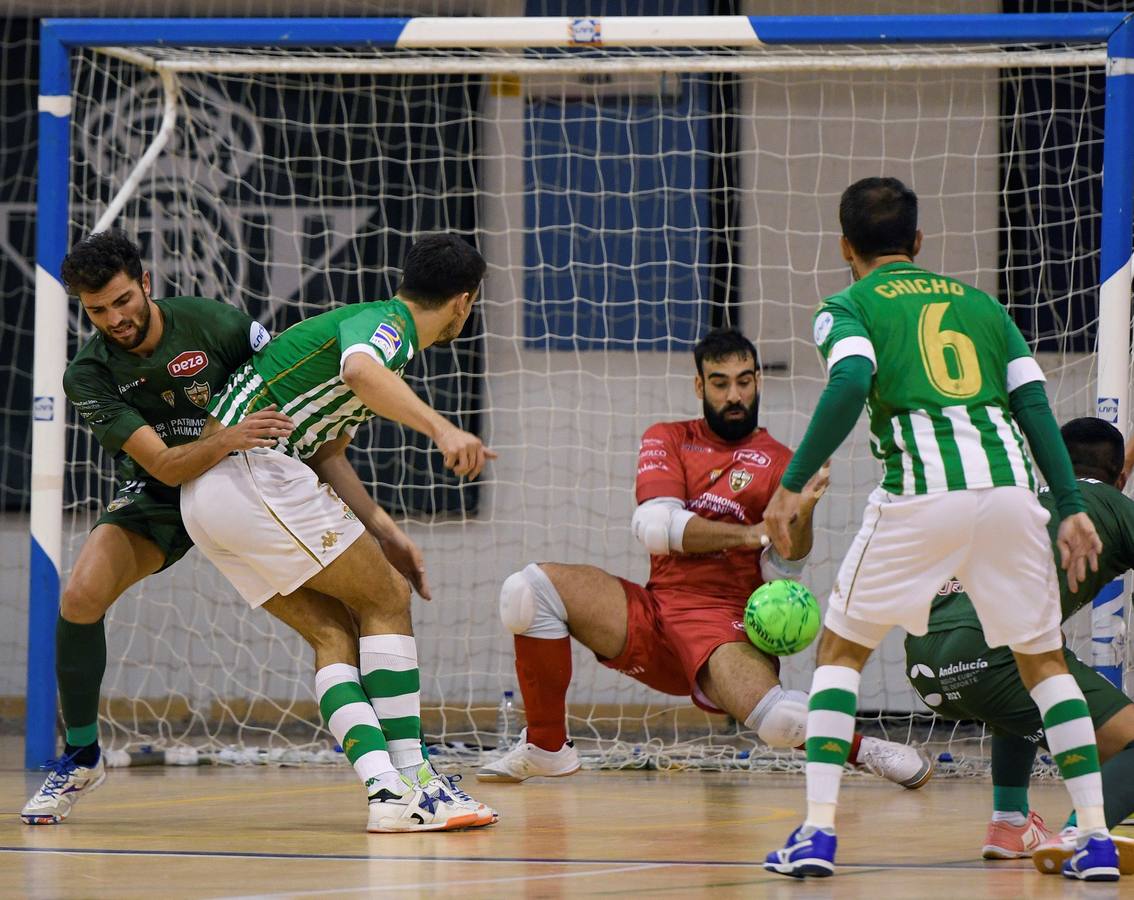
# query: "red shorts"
x,y
670,635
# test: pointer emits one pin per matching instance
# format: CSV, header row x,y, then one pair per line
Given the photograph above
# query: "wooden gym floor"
x,y
228,833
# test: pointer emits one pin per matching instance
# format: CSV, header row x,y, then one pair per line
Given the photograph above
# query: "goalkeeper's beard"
x,y
732,429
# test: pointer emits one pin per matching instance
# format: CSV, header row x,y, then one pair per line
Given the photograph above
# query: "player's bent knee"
x,y
82,607
530,605
332,638
780,718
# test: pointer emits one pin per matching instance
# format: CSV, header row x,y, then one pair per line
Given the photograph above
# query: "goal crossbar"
x,y
763,40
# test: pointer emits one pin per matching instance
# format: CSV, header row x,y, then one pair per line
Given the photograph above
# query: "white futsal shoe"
x,y
911,767
529,761
418,809
428,778
66,782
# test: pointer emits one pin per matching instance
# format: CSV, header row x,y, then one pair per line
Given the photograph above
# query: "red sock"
x,y
543,668
855,744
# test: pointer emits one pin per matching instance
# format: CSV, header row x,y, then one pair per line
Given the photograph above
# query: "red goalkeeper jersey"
x,y
720,481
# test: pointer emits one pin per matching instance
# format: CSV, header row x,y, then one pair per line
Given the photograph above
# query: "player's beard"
x,y
137,336
451,333
732,429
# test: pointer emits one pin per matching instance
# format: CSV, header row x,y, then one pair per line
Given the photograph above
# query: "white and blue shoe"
x,y
805,855
1095,859
65,784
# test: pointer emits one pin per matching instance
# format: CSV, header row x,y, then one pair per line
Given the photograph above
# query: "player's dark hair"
x,y
98,258
879,217
1096,448
721,343
438,267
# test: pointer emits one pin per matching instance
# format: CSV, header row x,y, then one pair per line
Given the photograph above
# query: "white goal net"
x,y
626,202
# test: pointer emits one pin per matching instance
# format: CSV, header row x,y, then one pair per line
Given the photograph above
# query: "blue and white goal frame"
x,y
59,37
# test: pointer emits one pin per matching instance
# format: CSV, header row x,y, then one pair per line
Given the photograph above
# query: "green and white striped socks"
x,y
350,718
392,681
830,730
1071,740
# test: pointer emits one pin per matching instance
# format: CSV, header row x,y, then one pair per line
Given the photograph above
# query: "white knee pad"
x,y
780,718
530,605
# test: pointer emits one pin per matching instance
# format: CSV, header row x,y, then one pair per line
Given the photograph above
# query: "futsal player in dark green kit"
x,y
141,384
960,677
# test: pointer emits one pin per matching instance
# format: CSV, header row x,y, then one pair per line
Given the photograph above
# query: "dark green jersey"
x,y
117,392
1113,515
301,371
946,356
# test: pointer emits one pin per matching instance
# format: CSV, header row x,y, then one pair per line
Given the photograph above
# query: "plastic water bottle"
x,y
506,730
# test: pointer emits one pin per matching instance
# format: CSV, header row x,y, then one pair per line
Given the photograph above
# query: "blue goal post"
x,y
60,37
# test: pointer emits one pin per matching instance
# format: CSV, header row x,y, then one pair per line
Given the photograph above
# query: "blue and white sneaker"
x,y
66,782
1095,859
428,777
805,855
486,815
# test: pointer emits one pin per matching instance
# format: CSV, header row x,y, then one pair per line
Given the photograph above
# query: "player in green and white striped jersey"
x,y
273,522
950,384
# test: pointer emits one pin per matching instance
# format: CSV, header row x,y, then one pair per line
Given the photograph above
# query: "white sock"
x,y
830,730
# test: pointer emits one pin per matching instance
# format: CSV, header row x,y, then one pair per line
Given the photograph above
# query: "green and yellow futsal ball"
x,y
782,617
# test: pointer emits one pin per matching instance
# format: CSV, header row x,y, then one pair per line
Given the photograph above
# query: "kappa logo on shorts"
x,y
188,364
739,479
331,538
169,397
198,394
116,505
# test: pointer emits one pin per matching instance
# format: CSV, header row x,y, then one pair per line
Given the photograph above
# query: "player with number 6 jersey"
x,y
947,377
939,410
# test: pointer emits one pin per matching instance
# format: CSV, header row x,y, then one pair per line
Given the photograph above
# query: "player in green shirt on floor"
x,y
950,384
288,543
960,677
141,384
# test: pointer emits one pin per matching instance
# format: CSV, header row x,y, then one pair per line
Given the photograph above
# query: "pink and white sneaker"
x,y
1003,840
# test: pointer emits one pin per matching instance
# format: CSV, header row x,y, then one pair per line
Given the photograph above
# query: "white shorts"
x,y
993,540
264,520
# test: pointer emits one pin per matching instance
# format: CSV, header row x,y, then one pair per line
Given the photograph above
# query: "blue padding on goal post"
x,y
43,610
299,32
1108,609
52,235
960,29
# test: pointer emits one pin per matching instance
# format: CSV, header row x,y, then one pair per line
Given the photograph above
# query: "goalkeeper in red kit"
x,y
702,486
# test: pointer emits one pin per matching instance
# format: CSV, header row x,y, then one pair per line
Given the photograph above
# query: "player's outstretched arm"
x,y
388,396
329,462
176,465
